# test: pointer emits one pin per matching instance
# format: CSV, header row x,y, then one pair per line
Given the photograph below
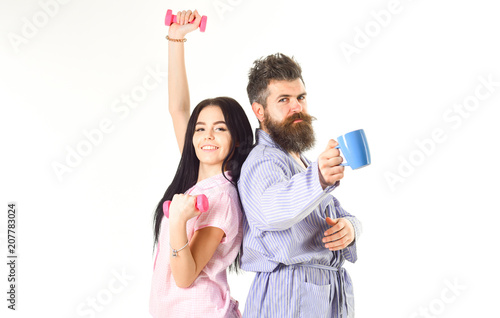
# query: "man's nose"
x,y
296,107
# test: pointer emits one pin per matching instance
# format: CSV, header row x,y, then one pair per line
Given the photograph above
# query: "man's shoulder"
x,y
264,161
262,152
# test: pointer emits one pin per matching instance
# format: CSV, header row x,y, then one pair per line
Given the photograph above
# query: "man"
x,y
296,235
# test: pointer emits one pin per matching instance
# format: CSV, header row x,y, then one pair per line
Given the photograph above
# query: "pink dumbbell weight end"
x,y
170,18
201,204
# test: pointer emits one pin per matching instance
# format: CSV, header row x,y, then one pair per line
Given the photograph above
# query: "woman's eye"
x,y
199,129
220,129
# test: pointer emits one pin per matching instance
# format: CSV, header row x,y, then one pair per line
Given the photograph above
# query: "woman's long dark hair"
x,y
187,171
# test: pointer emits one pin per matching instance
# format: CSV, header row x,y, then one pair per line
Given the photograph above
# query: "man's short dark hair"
x,y
277,67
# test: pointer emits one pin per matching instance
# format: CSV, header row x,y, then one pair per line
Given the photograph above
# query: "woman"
x,y
189,278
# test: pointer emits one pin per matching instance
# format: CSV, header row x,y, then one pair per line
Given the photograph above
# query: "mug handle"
x,y
342,164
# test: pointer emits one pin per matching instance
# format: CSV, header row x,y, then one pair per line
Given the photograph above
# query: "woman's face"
x,y
211,138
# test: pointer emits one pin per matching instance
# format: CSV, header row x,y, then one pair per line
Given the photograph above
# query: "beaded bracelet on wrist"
x,y
175,252
176,40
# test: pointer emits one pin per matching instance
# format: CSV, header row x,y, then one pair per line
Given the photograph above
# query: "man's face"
x,y
285,99
285,117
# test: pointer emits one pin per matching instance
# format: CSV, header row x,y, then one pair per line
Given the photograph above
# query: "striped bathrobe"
x,y
283,226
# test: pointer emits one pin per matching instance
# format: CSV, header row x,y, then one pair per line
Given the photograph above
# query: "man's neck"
x,y
296,156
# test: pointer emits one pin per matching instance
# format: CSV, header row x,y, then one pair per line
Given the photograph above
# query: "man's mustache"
x,y
305,117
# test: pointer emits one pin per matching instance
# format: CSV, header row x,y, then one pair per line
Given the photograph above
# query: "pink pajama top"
x,y
208,296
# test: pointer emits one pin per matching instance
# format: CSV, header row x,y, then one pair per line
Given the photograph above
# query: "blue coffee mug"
x,y
354,147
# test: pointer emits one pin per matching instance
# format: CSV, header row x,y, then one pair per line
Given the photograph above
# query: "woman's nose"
x,y
209,135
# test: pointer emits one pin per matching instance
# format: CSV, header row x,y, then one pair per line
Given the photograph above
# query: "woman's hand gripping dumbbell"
x,y
170,18
201,204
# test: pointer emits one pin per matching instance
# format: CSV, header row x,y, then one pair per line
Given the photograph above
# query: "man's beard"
x,y
292,137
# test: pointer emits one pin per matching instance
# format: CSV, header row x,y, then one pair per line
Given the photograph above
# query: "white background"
x,y
433,226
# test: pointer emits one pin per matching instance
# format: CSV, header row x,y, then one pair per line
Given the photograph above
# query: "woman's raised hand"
x,y
183,26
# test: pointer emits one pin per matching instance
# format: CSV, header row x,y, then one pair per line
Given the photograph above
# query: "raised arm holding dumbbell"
x,y
178,90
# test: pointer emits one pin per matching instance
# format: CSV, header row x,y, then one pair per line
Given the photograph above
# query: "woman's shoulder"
x,y
224,207
214,182
224,192
219,189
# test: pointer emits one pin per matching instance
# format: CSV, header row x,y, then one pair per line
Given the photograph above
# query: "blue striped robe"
x,y
285,209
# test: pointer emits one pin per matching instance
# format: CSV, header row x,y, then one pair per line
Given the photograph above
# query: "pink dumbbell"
x,y
170,18
201,204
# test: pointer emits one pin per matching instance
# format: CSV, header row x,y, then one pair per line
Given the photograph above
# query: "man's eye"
x,y
302,97
282,100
